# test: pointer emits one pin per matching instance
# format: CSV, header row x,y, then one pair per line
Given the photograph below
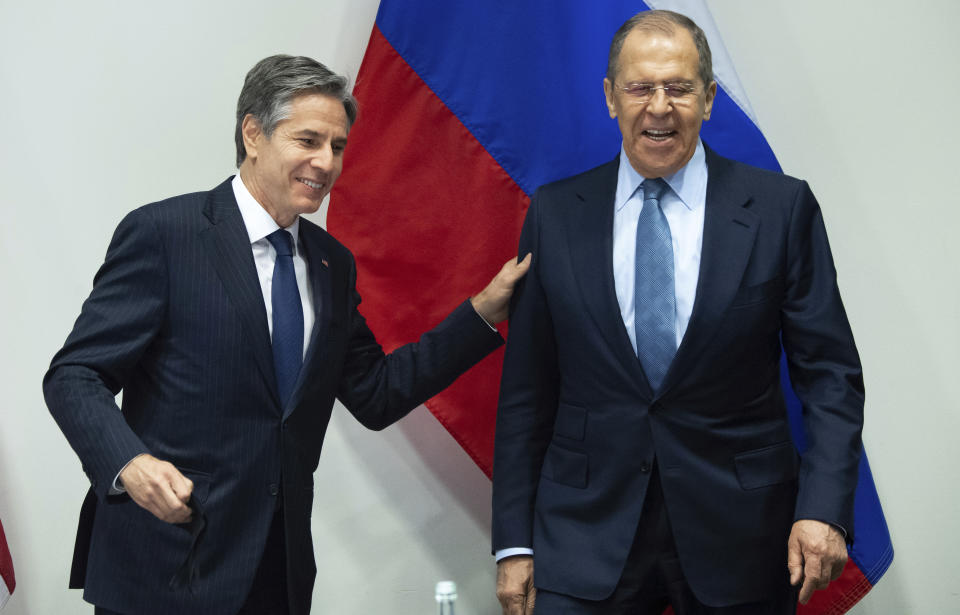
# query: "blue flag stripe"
x,y
521,78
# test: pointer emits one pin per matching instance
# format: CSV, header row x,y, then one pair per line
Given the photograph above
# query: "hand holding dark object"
x,y
158,487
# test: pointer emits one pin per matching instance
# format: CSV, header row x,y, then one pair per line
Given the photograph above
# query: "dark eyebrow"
x,y
313,134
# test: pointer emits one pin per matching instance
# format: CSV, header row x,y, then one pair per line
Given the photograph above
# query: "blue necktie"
x,y
654,304
287,316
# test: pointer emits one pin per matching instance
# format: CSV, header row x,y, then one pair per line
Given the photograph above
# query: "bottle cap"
x,y
446,590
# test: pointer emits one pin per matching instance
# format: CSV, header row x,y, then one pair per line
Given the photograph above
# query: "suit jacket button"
x,y
274,489
644,467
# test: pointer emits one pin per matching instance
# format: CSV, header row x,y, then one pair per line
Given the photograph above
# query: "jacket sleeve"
x,y
824,369
380,389
117,323
528,398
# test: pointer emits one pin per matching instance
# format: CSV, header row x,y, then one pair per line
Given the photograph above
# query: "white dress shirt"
x,y
683,205
259,224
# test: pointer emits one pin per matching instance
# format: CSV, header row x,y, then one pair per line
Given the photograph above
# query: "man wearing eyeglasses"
x,y
643,455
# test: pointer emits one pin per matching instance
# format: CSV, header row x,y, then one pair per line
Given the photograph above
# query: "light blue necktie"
x,y
287,316
654,304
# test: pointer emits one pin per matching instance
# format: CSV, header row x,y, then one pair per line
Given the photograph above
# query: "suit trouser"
x,y
268,593
653,579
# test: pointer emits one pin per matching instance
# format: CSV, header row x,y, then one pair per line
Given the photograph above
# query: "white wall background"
x,y
109,105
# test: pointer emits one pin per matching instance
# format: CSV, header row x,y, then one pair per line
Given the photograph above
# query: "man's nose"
x,y
659,103
322,158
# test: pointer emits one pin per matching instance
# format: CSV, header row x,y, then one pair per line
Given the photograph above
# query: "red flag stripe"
x,y
452,210
8,581
841,595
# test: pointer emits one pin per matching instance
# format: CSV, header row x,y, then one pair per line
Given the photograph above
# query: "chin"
x,y
310,207
665,167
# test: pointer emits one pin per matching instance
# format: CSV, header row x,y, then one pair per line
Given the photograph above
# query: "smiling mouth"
x,y
311,183
658,135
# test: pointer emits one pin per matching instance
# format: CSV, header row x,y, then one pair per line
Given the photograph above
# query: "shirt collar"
x,y
686,183
258,222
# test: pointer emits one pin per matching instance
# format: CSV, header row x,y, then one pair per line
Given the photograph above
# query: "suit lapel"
x,y
321,287
729,233
590,237
228,246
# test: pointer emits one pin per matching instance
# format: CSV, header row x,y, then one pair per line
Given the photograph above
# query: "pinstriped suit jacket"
x,y
176,321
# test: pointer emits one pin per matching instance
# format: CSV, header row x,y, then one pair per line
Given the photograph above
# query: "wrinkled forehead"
x,y
660,54
307,111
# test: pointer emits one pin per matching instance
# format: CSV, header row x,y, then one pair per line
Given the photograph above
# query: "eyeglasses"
x,y
682,94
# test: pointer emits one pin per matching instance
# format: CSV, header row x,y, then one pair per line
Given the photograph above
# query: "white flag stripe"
x,y
723,69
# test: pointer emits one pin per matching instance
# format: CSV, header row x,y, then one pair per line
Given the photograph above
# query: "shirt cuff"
x,y
492,328
505,553
116,487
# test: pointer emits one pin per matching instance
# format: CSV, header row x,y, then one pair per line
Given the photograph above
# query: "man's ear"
x,y
711,96
608,93
252,135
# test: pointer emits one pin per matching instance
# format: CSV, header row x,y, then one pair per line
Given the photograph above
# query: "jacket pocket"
x,y
201,483
564,466
770,465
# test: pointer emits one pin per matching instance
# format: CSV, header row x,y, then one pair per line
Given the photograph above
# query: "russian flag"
x,y
7,581
465,109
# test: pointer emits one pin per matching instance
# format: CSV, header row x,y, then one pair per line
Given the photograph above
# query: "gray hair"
x,y
273,83
664,22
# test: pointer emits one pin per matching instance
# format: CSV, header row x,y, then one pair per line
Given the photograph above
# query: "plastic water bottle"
x,y
446,596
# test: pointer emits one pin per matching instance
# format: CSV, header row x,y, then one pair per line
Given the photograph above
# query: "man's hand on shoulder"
x,y
515,583
159,487
493,302
816,555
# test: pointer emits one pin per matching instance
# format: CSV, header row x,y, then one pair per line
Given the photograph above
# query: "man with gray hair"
x,y
643,456
231,324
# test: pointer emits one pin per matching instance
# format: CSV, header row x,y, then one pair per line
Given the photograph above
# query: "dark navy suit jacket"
x,y
579,428
176,320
